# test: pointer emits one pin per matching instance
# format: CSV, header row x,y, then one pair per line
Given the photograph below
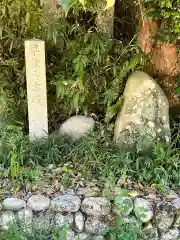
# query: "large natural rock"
x,y
38,203
96,206
66,203
96,226
13,204
7,219
123,205
143,209
145,111
164,216
77,127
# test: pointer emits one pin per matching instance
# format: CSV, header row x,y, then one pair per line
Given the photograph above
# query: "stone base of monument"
x,y
91,217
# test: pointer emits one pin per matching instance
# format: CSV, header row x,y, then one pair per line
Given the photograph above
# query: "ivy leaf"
x,y
66,5
109,4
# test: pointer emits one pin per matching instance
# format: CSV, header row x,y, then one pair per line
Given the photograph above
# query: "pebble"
x,y
96,206
65,203
13,204
38,203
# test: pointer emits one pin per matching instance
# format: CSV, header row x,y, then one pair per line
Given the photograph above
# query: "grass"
x,y
93,156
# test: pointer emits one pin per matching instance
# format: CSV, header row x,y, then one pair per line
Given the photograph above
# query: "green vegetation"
x,y
168,12
93,156
86,73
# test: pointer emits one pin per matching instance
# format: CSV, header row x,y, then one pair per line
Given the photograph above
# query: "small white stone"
x,y
77,127
38,203
13,204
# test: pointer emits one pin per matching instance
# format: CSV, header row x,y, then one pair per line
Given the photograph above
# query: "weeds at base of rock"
x,y
94,157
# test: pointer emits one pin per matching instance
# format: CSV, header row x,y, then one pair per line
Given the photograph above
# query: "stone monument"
x,y
36,88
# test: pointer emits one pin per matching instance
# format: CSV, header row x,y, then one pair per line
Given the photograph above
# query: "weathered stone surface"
x,y
79,221
176,204
143,209
145,112
13,204
96,206
88,192
172,234
164,216
96,226
42,222
36,88
7,219
132,221
149,232
25,217
98,238
123,205
83,236
177,221
77,127
66,203
38,203
61,220
70,234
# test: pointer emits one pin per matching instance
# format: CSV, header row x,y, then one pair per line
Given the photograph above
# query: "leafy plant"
x,y
167,12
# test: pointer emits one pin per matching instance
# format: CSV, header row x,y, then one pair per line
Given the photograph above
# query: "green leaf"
x,y
109,4
66,5
82,2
